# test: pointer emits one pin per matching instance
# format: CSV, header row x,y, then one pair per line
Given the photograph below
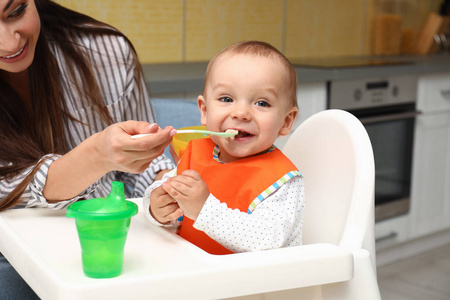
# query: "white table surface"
x,y
43,247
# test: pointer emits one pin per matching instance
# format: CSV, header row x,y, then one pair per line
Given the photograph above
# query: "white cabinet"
x,y
393,231
311,99
430,197
430,202
430,186
433,93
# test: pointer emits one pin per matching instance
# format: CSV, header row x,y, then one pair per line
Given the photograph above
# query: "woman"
x,y
68,85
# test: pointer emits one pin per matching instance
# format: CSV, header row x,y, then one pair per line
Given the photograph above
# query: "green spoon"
x,y
228,133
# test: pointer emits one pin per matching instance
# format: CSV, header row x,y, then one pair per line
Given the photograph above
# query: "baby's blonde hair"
x,y
259,49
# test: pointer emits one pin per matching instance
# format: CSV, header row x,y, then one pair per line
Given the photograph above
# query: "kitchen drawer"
x,y
434,93
392,232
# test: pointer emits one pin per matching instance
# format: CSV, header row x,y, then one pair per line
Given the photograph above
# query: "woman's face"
x,y
19,32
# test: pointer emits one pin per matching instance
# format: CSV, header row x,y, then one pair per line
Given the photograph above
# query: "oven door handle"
x,y
392,117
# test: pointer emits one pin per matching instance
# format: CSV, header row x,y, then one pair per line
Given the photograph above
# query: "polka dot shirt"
x,y
276,222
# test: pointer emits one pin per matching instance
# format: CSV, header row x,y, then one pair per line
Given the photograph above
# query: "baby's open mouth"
x,y
243,134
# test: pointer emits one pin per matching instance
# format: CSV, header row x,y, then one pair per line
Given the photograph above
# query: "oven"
x,y
387,109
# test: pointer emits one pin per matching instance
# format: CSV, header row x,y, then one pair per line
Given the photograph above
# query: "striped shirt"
x,y
119,87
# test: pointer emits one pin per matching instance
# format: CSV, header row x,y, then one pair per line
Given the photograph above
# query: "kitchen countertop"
x,y
189,77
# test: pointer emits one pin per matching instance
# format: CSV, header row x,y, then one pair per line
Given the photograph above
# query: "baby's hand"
x,y
189,190
163,207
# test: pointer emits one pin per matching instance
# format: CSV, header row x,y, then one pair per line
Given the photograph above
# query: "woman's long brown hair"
x,y
26,135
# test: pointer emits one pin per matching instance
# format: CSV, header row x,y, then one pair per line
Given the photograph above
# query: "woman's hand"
x,y
116,151
109,150
189,190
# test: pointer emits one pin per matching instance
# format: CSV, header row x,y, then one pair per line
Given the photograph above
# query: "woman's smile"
x,y
20,28
12,58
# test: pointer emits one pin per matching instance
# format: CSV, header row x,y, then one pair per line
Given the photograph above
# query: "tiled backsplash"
x,y
194,30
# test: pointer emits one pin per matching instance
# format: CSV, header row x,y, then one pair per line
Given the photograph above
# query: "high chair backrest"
x,y
333,152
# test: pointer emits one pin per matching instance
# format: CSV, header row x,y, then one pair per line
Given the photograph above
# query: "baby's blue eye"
x,y
226,99
262,103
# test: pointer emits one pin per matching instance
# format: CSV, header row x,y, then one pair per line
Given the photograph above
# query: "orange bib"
x,y
237,183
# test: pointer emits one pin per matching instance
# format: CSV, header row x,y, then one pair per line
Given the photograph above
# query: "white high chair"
x,y
333,152
337,259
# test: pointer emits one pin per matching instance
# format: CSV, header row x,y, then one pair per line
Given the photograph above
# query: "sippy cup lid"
x,y
112,207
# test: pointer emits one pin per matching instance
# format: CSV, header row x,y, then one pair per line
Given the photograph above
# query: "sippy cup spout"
x,y
116,197
112,207
117,191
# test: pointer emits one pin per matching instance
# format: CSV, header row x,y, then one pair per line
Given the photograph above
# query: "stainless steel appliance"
x,y
387,109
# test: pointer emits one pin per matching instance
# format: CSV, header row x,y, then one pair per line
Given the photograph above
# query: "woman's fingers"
x,y
122,153
138,127
156,140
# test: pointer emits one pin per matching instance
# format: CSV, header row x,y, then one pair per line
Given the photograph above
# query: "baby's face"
x,y
247,93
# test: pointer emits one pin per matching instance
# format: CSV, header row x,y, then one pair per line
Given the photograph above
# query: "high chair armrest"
x,y
273,270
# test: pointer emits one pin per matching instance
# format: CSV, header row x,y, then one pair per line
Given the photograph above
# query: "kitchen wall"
x,y
194,30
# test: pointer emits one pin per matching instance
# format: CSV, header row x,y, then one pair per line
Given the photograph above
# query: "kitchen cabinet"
x,y
311,99
392,231
430,196
430,202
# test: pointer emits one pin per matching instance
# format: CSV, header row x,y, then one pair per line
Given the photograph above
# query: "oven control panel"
x,y
370,93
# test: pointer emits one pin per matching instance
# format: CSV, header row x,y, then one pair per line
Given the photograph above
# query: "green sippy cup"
x,y
102,225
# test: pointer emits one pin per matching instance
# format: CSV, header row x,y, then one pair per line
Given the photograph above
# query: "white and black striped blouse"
x,y
119,87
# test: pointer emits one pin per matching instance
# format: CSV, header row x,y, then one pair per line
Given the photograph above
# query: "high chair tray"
x,y
43,247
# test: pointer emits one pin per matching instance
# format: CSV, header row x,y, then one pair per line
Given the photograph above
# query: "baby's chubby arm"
x,y
190,192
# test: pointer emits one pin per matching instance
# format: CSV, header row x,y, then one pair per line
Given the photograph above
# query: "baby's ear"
x,y
289,121
201,102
